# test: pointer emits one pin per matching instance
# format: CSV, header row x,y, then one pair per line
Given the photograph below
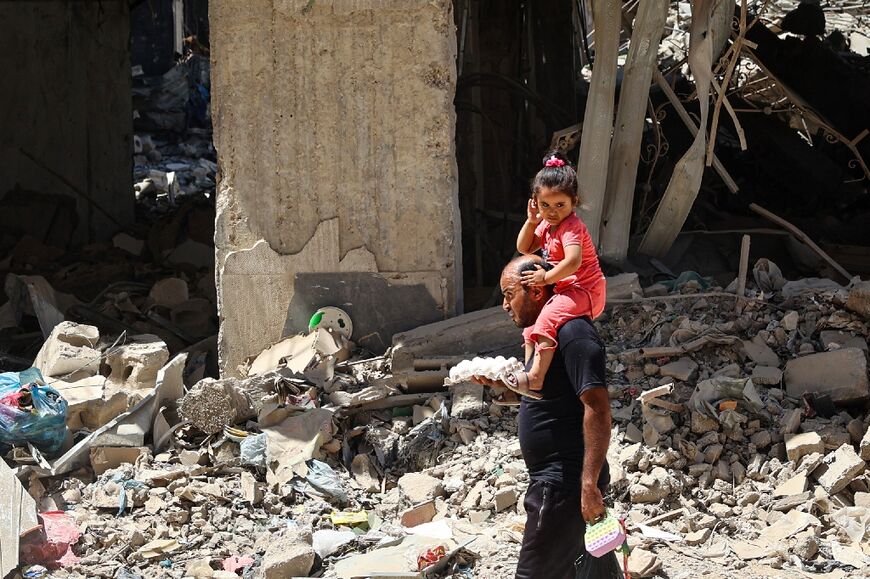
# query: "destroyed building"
x,y
247,246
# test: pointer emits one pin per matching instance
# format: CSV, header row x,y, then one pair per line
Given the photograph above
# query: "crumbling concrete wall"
x,y
334,126
66,102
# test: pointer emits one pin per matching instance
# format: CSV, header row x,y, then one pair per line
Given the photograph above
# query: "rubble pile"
x,y
740,438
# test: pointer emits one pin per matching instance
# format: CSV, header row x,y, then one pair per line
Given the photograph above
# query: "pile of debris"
x,y
740,439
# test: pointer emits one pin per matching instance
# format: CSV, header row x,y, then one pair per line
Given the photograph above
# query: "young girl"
x,y
553,227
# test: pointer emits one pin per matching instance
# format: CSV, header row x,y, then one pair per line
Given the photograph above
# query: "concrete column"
x,y
335,129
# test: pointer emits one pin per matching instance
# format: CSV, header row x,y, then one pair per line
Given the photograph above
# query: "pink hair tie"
x,y
554,161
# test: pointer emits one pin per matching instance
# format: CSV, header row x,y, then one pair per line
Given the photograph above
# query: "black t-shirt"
x,y
551,429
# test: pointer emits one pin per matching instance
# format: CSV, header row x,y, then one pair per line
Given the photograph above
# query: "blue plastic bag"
x,y
31,411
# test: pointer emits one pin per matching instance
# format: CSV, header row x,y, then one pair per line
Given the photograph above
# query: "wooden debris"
x,y
686,179
802,237
742,271
598,119
628,129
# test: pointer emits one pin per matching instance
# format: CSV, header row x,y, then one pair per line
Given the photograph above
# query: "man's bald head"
x,y
523,303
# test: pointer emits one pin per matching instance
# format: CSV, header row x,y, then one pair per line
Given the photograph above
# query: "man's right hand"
x,y
488,382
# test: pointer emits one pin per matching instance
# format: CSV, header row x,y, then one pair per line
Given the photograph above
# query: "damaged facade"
x,y
335,134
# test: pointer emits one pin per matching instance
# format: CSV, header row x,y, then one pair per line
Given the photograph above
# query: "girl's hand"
x,y
536,277
532,214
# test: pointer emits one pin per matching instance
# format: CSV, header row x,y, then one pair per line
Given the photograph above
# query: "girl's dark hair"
x,y
561,178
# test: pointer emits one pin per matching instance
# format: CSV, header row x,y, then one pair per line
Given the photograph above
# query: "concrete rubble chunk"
x,y
798,445
286,556
766,376
69,352
683,369
467,400
793,486
364,473
790,422
759,352
859,299
843,466
134,366
505,498
623,286
643,563
419,487
212,404
790,321
419,514
864,447
842,374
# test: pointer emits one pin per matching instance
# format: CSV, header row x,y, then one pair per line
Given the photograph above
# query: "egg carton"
x,y
493,368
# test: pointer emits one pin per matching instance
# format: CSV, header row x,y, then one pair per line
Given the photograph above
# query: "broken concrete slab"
x,y
794,486
85,397
104,458
287,556
17,517
466,400
298,353
840,468
623,286
293,441
419,487
487,332
683,369
842,374
858,300
419,514
134,366
69,352
766,376
365,474
759,352
799,445
212,404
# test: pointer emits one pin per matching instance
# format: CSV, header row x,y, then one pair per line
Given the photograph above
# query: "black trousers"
x,y
553,538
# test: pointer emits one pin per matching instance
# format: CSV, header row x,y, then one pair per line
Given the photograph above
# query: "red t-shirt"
x,y
572,231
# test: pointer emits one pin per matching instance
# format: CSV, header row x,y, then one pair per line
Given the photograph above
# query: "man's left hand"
x,y
591,503
536,277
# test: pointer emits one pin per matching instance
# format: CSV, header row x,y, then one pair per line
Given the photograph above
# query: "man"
x,y
563,437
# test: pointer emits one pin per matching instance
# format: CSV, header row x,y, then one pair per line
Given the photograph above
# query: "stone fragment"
x,y
655,290
759,352
419,487
865,445
623,286
798,445
862,499
365,474
790,321
504,498
859,299
683,369
69,352
421,413
169,292
843,466
856,430
761,439
419,514
701,423
642,563
134,366
842,374
199,569
790,422
793,486
478,517
766,376
652,487
252,490
212,404
467,400
698,537
807,546
104,458
287,557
